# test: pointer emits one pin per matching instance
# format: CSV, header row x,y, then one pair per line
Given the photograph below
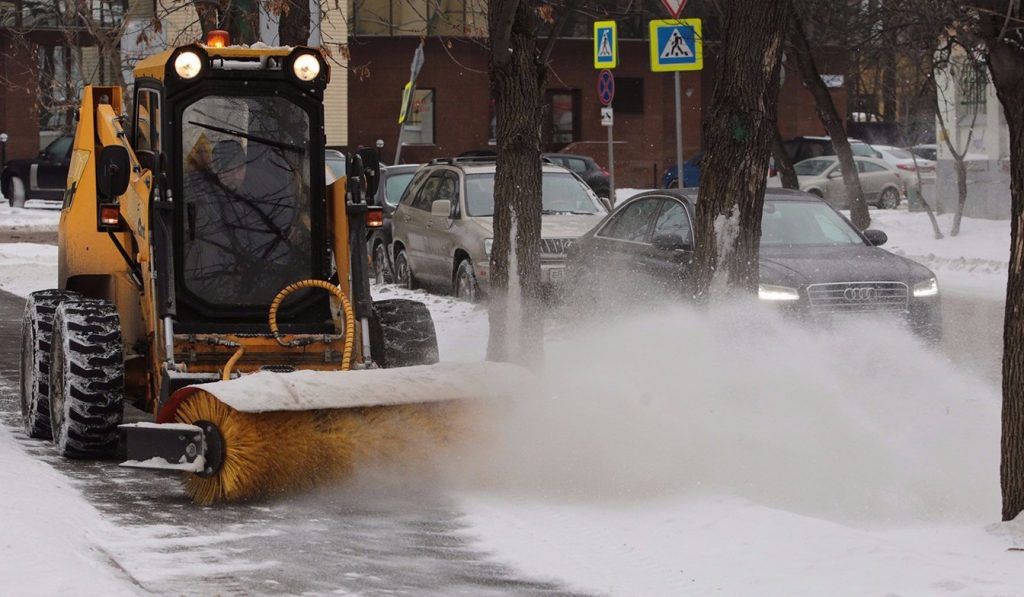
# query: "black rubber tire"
x,y
86,379
36,332
381,269
403,273
16,193
464,284
886,201
402,334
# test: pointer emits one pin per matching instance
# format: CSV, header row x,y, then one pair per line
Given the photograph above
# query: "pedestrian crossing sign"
x,y
606,44
676,44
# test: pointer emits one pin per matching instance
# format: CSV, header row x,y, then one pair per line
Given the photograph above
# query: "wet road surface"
x,y
335,541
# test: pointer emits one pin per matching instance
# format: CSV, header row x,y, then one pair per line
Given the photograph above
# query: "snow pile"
x,y
49,533
13,218
27,267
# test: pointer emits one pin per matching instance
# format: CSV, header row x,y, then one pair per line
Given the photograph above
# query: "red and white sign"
x,y
674,7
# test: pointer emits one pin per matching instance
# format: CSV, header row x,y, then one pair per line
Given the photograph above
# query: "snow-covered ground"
x,y
678,453
13,218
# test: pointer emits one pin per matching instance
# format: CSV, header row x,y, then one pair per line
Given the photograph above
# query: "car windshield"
x,y
812,167
562,193
863,150
395,185
786,223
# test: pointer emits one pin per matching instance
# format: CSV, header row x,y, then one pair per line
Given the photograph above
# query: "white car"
x,y
823,178
907,162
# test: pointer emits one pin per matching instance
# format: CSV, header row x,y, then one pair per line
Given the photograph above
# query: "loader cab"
x,y
236,135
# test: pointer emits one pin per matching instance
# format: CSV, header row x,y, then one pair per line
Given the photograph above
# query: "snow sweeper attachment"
x,y
269,433
213,279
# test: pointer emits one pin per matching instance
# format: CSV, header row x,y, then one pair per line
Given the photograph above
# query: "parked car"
x,y
587,169
393,182
443,230
335,162
823,178
40,178
814,262
905,161
928,151
691,173
803,148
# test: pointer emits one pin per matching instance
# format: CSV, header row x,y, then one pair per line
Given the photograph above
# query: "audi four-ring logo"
x,y
859,294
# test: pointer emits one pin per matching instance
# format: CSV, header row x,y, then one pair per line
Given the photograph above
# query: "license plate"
x,y
556,275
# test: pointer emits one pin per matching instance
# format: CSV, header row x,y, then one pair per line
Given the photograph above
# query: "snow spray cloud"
x,y
860,422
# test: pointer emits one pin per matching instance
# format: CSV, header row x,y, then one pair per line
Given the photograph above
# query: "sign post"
x,y
606,93
408,93
677,45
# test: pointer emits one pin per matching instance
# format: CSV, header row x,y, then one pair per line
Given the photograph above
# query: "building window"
x,y
629,95
458,18
564,107
419,126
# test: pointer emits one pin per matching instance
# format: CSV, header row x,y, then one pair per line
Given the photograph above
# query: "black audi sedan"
x,y
814,262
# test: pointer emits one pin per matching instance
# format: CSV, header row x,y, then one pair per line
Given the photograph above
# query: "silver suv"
x,y
443,229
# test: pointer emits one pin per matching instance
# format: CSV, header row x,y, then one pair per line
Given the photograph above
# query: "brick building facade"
x,y
454,80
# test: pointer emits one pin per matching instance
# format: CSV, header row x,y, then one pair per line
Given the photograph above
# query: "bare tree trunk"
x,y
294,23
961,191
1006,64
800,51
783,164
737,135
920,195
517,81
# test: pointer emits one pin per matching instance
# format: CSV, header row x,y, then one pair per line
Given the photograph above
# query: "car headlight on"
x,y
768,292
188,65
929,287
488,242
306,67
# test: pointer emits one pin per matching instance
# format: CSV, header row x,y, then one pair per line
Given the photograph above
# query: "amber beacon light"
x,y
218,38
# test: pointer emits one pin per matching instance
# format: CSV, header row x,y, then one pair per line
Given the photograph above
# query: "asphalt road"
x,y
401,541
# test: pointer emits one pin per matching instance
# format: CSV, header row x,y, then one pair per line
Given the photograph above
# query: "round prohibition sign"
x,y
606,87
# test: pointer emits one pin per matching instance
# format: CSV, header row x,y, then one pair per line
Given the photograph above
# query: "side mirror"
x,y
877,238
113,171
371,169
441,207
671,242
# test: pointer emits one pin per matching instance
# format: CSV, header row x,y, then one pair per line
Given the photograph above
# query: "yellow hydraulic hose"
x,y
350,319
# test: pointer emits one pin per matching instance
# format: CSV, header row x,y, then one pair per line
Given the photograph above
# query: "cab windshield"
x,y
245,180
562,194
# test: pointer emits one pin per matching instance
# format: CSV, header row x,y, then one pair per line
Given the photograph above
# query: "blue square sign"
x,y
676,45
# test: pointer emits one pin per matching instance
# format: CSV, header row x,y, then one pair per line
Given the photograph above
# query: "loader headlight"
x,y
488,243
929,287
768,292
188,65
306,67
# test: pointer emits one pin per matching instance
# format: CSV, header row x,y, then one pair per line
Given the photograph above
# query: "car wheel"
x,y
466,286
381,271
890,199
17,189
403,273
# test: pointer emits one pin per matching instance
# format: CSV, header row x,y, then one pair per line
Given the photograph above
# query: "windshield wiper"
x,y
263,140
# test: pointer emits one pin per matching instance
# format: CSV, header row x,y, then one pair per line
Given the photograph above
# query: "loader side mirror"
x,y
113,171
371,170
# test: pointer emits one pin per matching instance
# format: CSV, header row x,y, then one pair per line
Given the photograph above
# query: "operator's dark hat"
x,y
228,154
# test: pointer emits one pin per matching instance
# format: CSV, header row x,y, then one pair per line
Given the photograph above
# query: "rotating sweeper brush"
x,y
271,433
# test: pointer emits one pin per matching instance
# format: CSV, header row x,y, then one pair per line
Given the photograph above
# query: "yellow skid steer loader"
x,y
212,274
